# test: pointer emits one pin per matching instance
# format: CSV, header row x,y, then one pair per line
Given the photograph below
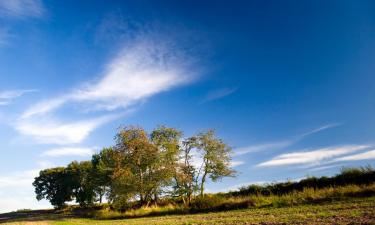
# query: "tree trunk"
x,y
202,183
100,198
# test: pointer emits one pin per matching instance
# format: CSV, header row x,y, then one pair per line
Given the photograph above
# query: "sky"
x,y
289,85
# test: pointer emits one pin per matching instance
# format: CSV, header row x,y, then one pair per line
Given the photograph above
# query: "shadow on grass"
x,y
33,215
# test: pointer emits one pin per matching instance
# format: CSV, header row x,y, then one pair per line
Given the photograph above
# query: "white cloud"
x,y
6,97
311,157
21,8
325,127
262,147
68,151
219,93
44,106
18,179
235,163
48,131
280,144
360,156
139,71
143,68
17,192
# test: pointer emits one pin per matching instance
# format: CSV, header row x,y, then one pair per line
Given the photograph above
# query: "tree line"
x,y
347,176
140,167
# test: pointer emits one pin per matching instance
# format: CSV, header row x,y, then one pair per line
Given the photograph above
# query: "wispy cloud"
x,y
217,94
360,156
236,163
21,8
280,144
19,179
315,156
57,132
68,151
325,127
144,67
262,147
6,97
135,74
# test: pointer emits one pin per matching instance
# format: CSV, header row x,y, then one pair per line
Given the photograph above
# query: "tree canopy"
x,y
139,167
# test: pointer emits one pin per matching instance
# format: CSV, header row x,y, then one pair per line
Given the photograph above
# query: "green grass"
x,y
218,202
350,204
353,211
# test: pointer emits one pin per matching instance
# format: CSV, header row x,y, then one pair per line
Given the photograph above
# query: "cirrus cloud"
x,y
21,8
315,156
144,67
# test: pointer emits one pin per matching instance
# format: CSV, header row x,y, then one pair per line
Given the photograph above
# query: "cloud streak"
x,y
325,127
262,147
6,97
21,8
135,74
55,132
219,93
144,67
311,157
360,156
280,144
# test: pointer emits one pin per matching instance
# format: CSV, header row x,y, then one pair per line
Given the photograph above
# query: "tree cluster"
x,y
139,167
348,176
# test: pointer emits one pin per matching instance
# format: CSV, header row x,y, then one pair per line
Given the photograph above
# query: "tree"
x,y
167,141
103,166
54,185
215,159
139,167
82,182
185,173
137,172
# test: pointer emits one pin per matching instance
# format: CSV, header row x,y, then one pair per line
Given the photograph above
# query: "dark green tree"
x,y
103,166
55,185
82,182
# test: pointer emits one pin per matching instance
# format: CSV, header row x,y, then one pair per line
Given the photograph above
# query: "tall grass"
x,y
219,202
350,183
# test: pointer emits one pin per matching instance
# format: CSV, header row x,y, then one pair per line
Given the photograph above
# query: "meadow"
x,y
349,211
346,198
350,204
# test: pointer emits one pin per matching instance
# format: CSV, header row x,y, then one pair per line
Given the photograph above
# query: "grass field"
x,y
350,211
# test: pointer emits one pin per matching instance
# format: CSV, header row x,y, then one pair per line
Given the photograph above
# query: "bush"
x,y
348,176
207,202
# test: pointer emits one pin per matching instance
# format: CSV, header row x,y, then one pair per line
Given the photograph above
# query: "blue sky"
x,y
288,84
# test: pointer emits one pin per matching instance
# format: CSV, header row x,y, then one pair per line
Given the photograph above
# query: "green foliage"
x,y
82,178
140,167
216,158
138,171
348,176
103,165
55,185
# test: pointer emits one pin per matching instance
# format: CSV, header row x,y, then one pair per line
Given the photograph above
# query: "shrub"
x,y
207,202
348,176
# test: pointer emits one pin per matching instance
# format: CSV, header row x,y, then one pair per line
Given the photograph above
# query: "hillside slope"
x,y
350,211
